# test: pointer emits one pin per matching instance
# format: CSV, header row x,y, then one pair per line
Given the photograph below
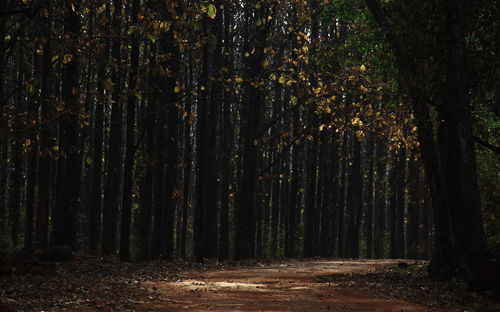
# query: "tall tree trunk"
x,y
146,189
114,161
379,191
226,140
188,158
354,197
457,219
96,202
457,146
400,199
250,126
369,199
414,209
275,174
16,171
3,125
129,142
166,142
342,197
295,195
69,163
202,246
44,181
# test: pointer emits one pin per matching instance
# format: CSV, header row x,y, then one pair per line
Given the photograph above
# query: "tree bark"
x,y
69,163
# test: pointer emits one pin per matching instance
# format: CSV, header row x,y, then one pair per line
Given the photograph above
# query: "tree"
x,y
69,162
452,177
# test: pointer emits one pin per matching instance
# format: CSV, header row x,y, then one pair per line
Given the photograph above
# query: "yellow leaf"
x,y
294,100
238,79
362,67
177,89
67,58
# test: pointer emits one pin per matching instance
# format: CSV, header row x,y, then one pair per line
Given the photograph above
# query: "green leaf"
x,y
211,11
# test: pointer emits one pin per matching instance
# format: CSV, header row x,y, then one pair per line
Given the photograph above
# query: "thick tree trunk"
x,y
457,143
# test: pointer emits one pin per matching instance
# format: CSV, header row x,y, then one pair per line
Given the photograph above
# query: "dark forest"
x,y
216,131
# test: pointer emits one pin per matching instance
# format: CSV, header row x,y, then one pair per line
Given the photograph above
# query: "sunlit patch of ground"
x,y
291,286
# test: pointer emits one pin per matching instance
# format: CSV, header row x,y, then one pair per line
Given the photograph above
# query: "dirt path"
x,y
292,286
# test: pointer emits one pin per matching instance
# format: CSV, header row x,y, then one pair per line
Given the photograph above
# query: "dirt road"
x,y
293,286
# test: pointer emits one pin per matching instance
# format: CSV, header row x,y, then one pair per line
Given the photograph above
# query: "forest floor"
x,y
92,284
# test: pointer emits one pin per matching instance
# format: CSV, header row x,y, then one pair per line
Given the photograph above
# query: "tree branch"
x,y
491,147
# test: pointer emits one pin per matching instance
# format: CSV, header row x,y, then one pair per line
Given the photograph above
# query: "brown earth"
x,y
96,284
291,286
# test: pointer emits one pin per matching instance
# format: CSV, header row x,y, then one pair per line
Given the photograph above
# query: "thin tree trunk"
x,y
69,163
379,191
129,143
44,181
114,162
369,200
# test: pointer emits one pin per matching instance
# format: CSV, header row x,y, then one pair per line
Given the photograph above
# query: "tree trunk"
x,y
114,161
129,143
457,148
250,126
379,191
369,199
69,163
44,181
